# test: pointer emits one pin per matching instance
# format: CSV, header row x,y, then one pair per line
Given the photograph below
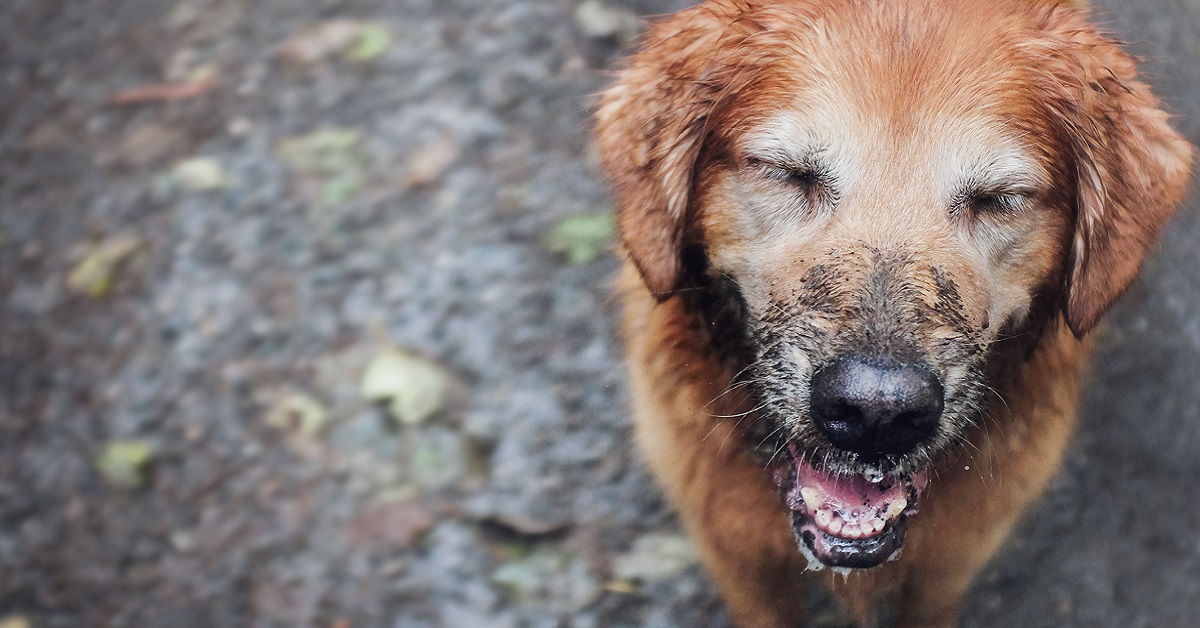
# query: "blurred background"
x,y
305,320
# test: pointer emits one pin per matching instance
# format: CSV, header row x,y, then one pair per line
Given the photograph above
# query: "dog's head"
x,y
883,193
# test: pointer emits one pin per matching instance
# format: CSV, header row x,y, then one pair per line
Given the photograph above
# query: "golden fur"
x,y
999,162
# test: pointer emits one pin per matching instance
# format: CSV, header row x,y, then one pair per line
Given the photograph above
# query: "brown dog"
x,y
864,239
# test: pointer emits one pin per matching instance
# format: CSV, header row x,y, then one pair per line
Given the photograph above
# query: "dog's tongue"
x,y
853,497
846,494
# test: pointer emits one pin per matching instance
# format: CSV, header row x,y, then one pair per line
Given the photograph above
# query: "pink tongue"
x,y
849,493
851,497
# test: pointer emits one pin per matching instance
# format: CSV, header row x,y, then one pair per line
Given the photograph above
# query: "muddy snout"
x,y
876,406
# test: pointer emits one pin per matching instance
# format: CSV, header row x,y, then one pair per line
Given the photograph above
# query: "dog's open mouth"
x,y
847,520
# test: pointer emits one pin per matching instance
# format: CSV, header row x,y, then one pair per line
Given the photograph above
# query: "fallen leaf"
x,y
551,576
50,134
526,524
655,558
522,577
621,586
429,162
125,463
146,146
319,41
298,412
201,82
599,20
95,274
340,188
334,157
415,389
439,459
581,238
328,150
202,21
394,524
201,174
370,42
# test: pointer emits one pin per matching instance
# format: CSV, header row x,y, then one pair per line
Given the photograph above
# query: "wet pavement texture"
x,y
217,215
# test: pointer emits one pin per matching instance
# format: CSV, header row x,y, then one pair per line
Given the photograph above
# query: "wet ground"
x,y
216,216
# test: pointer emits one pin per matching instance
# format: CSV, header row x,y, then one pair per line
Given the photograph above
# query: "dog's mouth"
x,y
850,521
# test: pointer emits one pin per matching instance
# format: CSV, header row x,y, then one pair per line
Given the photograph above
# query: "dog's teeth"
x,y
812,497
896,507
851,531
876,525
835,526
824,517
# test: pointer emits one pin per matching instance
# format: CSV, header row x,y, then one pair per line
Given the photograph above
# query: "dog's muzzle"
x,y
878,407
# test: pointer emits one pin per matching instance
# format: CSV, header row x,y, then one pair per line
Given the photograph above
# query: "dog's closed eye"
x,y
992,202
802,177
810,180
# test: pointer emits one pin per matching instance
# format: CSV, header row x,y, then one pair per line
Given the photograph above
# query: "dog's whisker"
x,y
738,414
735,383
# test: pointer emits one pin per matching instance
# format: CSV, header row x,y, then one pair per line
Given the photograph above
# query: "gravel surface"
x,y
217,215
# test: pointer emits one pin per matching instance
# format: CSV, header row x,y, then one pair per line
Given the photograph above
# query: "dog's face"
x,y
883,193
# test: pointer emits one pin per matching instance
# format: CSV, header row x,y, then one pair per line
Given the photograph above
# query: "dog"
x,y
864,242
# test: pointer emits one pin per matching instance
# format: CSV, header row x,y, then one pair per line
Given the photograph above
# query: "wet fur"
x,y
738,287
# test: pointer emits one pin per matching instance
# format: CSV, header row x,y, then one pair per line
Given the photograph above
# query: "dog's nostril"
x,y
909,419
847,413
876,406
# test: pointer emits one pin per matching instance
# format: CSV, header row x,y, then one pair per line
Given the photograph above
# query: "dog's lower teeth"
x,y
837,526
836,518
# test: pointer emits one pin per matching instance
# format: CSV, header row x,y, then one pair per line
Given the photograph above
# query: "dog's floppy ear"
x,y
1131,167
650,131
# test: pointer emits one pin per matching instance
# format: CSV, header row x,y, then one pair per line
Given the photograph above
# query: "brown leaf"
x,y
319,41
392,524
430,162
201,83
145,146
526,524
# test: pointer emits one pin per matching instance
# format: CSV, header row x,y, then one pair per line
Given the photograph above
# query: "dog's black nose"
x,y
876,406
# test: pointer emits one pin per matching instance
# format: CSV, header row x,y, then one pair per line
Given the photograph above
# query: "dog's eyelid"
x,y
804,172
1003,200
800,177
978,197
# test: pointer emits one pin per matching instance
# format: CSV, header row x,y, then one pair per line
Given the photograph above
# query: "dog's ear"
x,y
650,130
1131,168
